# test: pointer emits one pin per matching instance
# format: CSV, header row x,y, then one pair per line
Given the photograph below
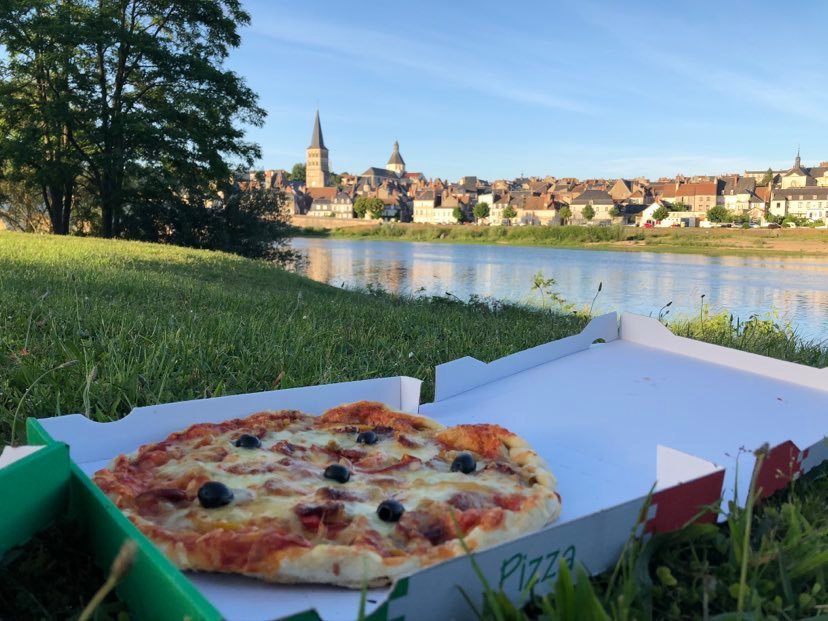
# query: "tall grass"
x,y
542,235
101,327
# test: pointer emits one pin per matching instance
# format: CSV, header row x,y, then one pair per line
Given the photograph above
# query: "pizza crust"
x,y
511,493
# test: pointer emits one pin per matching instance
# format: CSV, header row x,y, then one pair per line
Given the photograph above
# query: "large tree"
x,y
36,103
139,95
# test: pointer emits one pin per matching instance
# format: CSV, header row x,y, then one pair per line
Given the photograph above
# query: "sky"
x,y
502,89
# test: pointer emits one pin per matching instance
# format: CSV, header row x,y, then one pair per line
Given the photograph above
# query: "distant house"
x,y
737,194
340,206
424,203
621,190
601,203
698,196
805,202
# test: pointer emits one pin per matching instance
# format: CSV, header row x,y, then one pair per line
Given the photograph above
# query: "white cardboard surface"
x,y
11,454
612,419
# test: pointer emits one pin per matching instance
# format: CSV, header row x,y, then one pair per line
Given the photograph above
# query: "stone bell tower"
x,y
317,171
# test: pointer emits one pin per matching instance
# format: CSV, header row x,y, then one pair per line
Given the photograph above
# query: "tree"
x,y
509,212
335,180
588,212
481,210
361,207
36,100
614,212
565,213
249,220
661,214
298,172
679,206
718,214
457,214
768,178
137,93
376,208
22,207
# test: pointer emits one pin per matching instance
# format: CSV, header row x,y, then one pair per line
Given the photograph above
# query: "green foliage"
x,y
768,177
361,206
565,213
376,208
458,214
544,286
509,212
481,210
588,212
718,214
139,107
251,222
679,206
298,172
614,212
151,323
365,205
660,214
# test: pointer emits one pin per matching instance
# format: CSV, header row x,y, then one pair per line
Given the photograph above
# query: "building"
x,y
396,162
602,205
800,177
340,206
316,167
806,202
698,196
738,194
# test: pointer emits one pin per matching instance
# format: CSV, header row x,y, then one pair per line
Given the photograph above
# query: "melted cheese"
x,y
298,475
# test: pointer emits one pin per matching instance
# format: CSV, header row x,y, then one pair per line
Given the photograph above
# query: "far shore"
x,y
799,242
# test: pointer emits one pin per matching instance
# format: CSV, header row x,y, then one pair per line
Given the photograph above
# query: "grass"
x,y
714,241
100,327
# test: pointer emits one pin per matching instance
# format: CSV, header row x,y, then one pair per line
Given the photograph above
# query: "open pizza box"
x,y
614,411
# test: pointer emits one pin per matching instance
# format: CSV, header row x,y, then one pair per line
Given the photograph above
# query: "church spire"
x,y
316,138
797,164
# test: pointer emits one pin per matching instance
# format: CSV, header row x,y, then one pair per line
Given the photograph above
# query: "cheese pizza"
x,y
359,495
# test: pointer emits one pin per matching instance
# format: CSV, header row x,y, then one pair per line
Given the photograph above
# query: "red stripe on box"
x,y
677,505
781,466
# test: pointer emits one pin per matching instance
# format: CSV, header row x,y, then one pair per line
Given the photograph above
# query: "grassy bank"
x,y
100,327
759,242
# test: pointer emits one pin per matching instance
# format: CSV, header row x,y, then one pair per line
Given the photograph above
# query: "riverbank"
x,y
102,326
711,242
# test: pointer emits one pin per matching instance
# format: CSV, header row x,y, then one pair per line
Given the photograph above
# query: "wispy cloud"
x,y
725,69
428,57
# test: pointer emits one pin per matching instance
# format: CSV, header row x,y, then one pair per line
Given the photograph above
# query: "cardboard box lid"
x,y
609,418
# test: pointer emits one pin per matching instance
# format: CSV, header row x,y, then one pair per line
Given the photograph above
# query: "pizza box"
x,y
46,485
614,411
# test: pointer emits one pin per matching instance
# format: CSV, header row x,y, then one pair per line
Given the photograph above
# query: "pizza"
x,y
359,495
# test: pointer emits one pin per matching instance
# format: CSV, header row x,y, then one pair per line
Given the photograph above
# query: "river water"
x,y
793,290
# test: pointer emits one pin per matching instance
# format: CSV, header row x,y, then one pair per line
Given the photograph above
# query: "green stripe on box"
x,y
400,589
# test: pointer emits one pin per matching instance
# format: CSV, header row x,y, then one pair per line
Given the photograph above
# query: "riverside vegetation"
x,y
102,326
710,241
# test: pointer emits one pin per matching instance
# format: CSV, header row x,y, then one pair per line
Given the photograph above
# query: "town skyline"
x,y
584,90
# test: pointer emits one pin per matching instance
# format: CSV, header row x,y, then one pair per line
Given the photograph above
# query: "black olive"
x,y
367,437
213,494
464,463
247,441
390,510
338,473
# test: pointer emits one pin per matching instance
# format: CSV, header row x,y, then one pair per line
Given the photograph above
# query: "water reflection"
x,y
796,288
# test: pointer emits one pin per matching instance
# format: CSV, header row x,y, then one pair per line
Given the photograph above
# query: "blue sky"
x,y
496,89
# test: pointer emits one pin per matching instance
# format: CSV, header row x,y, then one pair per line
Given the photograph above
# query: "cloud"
x,y
431,56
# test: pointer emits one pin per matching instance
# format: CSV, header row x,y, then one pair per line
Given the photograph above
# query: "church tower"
x,y
316,173
396,162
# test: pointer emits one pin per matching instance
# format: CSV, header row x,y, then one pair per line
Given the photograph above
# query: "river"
x,y
793,289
